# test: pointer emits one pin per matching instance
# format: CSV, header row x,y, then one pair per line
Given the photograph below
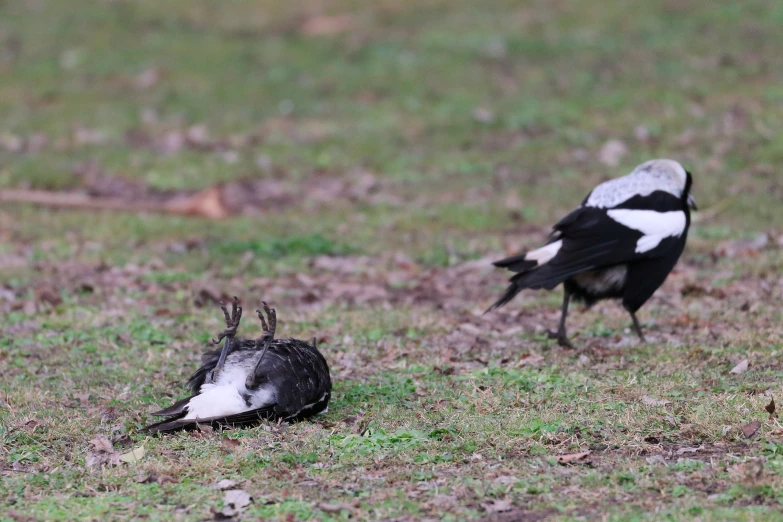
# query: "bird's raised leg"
x,y
263,342
560,335
232,322
636,326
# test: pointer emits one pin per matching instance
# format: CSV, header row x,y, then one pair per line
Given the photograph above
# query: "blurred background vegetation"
x,y
451,107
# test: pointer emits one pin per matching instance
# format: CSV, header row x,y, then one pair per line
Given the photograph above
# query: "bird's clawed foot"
x,y
263,343
269,330
562,338
641,335
232,321
637,327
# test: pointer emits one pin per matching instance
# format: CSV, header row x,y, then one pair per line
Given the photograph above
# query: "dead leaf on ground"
x,y
225,484
325,25
29,424
108,415
208,203
166,479
18,517
122,440
102,443
656,460
49,295
205,428
102,453
530,359
770,407
151,477
497,506
444,501
651,401
750,430
234,501
134,455
748,471
335,508
147,477
683,451
572,457
229,444
208,294
740,368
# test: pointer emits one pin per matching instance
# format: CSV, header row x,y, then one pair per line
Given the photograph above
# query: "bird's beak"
x,y
692,203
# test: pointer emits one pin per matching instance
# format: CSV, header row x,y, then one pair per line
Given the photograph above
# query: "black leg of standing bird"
x,y
264,341
637,327
232,323
562,338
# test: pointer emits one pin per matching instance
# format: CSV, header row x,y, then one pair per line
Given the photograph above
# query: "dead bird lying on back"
x,y
249,380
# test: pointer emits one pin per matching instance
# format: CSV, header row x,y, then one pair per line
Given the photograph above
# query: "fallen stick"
x,y
208,203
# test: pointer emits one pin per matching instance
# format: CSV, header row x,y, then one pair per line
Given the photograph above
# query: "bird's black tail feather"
x,y
236,420
168,425
517,264
530,275
507,296
176,409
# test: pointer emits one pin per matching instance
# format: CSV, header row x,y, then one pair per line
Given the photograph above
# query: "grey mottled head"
x,y
668,172
659,174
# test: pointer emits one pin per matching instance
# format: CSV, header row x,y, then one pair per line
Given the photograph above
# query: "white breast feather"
x,y
225,396
654,225
216,401
232,375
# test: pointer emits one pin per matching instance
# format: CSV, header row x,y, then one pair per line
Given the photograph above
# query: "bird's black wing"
x,y
176,409
240,419
300,376
594,238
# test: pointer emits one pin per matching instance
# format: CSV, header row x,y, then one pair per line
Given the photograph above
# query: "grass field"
x,y
399,147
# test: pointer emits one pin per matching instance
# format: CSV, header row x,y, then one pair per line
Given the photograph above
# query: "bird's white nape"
x,y
656,226
663,175
669,168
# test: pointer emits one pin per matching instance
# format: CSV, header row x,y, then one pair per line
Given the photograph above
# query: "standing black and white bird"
x,y
620,243
275,379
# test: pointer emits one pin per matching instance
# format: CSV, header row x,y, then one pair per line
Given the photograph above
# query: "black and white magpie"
x,y
246,380
621,243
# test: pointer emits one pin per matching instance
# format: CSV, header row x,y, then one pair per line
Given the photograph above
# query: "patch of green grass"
x,y
305,246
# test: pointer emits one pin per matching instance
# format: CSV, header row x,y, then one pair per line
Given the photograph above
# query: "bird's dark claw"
x,y
232,320
562,339
269,329
264,342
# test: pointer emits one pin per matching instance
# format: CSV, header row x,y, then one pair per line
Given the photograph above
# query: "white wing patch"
x,y
544,254
654,225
